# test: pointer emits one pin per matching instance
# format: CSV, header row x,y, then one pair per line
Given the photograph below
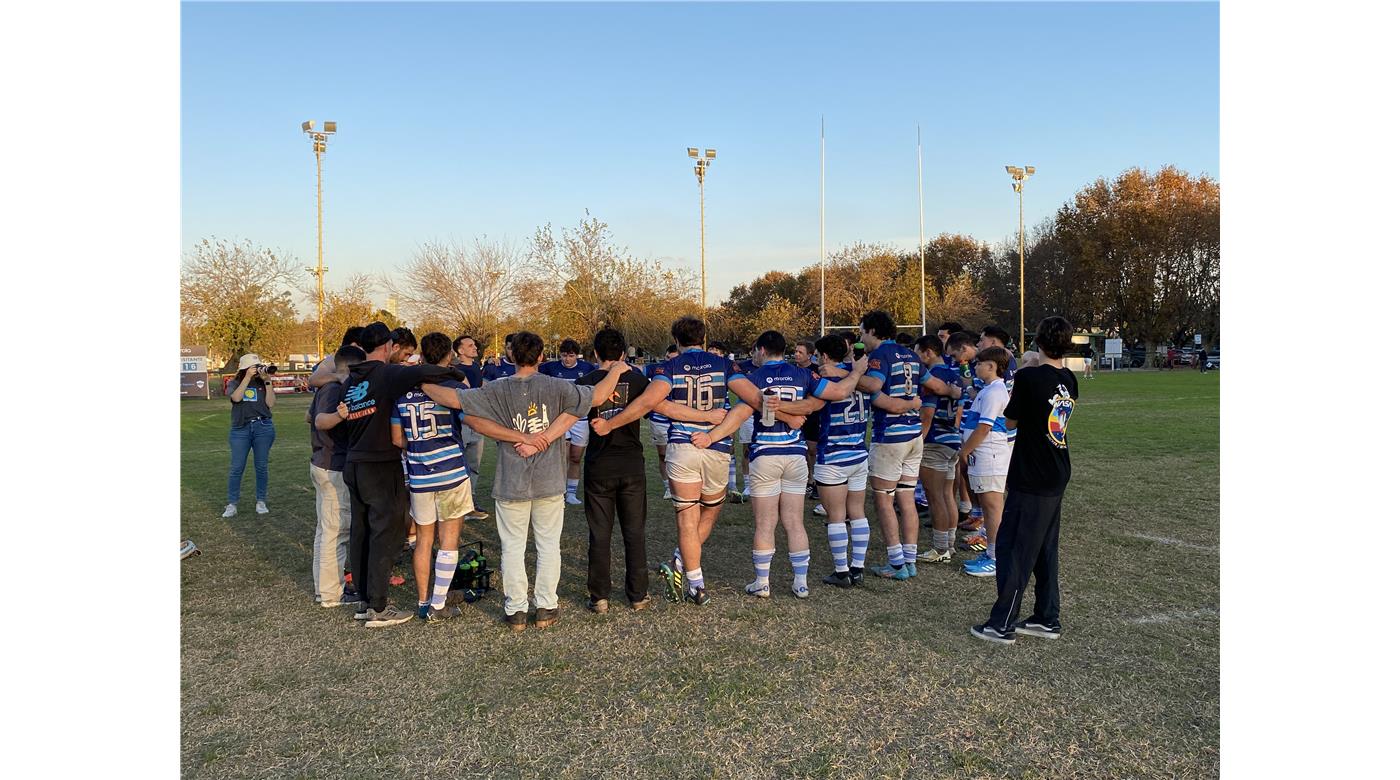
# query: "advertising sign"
x,y
194,372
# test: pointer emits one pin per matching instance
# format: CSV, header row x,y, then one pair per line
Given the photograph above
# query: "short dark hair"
x,y
569,345
772,343
672,348
457,343
352,335
998,333
1054,336
951,327
811,346
959,339
348,356
878,322
608,344
436,346
996,355
401,336
688,331
509,338
526,348
718,345
850,336
834,346
903,339
929,341
374,336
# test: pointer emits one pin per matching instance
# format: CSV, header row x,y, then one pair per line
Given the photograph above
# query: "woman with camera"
x,y
251,428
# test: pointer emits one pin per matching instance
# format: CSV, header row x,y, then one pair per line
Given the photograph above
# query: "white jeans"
x,y
514,521
332,534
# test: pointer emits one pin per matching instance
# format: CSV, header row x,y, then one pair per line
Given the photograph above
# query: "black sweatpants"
x,y
625,496
1028,542
377,499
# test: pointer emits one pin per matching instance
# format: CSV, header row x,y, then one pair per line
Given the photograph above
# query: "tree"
x,y
348,306
235,298
470,289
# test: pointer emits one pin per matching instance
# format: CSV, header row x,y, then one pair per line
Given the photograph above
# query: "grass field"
x,y
876,682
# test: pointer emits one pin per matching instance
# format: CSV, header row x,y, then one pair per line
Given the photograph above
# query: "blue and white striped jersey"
x,y
699,380
898,369
841,437
432,442
656,417
789,383
945,410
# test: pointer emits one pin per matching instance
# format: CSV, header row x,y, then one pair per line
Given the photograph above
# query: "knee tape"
x,y
903,486
884,491
714,503
682,504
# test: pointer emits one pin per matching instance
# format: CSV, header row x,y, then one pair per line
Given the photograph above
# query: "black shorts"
x,y
812,429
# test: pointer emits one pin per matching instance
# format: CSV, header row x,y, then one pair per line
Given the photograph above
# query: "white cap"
x,y
248,361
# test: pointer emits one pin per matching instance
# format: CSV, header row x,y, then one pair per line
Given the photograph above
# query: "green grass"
x,y
879,682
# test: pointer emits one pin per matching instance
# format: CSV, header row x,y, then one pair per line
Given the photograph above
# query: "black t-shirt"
x,y
620,452
253,403
473,372
1042,400
371,391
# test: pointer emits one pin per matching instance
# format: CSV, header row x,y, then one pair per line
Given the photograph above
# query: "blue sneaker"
x,y
672,579
890,573
981,566
911,568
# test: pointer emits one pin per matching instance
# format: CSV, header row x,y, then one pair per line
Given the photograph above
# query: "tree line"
x,y
1136,256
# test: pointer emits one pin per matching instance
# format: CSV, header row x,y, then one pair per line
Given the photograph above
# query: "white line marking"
x,y
206,417
1175,542
1169,617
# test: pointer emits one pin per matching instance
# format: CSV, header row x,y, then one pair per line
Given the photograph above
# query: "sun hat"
x,y
248,361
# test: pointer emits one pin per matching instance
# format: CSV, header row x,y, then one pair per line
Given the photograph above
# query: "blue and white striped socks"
x,y
695,579
762,562
895,554
911,552
443,569
800,560
836,537
860,541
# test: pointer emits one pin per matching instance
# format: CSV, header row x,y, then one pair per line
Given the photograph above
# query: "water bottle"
x,y
767,417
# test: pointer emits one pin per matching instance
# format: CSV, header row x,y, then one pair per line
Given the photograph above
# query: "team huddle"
x,y
874,411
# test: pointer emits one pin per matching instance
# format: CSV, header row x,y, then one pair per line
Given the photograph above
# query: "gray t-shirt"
x,y
527,405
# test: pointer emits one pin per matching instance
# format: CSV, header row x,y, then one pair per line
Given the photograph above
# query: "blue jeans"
x,y
258,436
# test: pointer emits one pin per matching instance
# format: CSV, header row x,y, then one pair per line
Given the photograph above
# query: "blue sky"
x,y
458,120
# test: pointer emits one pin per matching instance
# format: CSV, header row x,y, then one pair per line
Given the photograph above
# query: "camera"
x,y
265,368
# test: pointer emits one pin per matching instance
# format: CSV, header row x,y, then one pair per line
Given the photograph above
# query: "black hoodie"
x,y
371,391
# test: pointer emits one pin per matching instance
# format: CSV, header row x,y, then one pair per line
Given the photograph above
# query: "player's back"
x,y
841,436
788,383
699,380
898,369
432,442
945,410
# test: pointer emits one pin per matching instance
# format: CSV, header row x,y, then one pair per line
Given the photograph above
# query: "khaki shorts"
x,y
451,504
770,475
852,475
896,462
578,433
660,432
987,483
940,458
687,463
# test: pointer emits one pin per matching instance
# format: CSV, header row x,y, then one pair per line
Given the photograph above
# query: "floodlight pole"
x,y
702,162
318,147
822,223
1018,180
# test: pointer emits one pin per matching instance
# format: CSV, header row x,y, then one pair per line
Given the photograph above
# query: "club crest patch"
x,y
1061,407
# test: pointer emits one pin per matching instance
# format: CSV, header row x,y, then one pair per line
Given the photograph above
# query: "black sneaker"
x,y
840,579
857,576
698,597
990,634
544,618
812,493
1035,628
440,615
516,621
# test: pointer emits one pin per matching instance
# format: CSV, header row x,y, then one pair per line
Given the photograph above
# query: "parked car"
x,y
1183,357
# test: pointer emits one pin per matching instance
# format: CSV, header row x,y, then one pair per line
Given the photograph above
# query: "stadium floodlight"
x,y
701,164
318,147
329,127
307,125
1018,180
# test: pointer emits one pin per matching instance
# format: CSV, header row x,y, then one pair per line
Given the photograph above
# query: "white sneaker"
x,y
819,511
571,498
932,555
230,510
261,508
799,591
754,589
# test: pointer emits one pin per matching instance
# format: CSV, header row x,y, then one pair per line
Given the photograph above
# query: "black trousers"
x,y
1028,542
378,497
625,496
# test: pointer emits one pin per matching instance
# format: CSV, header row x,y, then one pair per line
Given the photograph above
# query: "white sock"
x,y
992,550
443,570
573,486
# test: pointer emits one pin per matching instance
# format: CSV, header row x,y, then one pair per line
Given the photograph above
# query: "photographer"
x,y
251,428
